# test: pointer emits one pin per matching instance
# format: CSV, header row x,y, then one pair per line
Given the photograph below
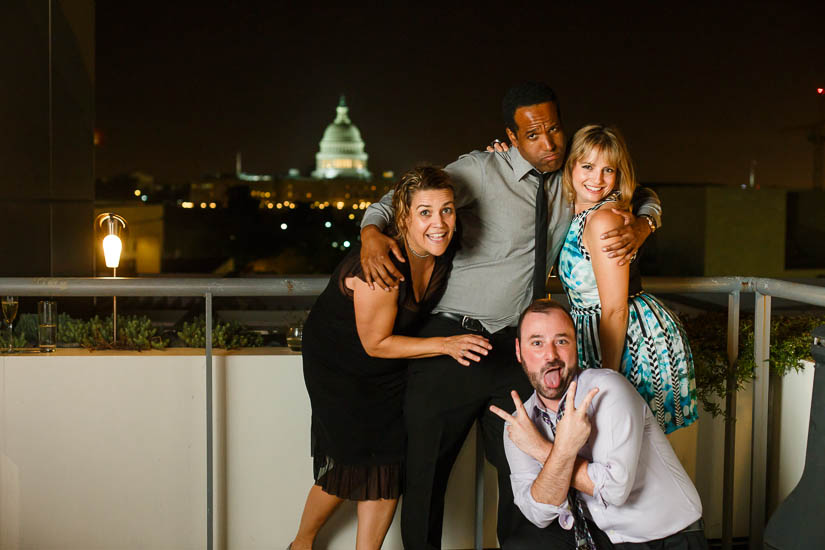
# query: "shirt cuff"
x,y
546,513
597,475
653,213
373,219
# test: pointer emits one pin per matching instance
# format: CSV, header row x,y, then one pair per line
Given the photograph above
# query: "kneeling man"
x,y
590,467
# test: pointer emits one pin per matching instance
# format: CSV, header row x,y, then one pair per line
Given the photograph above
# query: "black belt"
x,y
697,525
465,321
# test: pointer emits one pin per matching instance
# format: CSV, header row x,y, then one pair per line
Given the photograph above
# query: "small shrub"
x,y
228,335
707,333
18,338
69,330
133,332
26,326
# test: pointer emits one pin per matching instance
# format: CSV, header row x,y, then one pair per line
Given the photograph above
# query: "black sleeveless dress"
x,y
358,435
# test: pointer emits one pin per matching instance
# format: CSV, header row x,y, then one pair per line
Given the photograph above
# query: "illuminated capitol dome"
x,y
342,149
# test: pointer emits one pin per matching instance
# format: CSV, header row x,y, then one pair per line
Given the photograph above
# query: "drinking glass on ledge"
x,y
294,336
47,325
9,314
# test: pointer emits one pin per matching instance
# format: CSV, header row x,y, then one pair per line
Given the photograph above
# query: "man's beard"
x,y
537,379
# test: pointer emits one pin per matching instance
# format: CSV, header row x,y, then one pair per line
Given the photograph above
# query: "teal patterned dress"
x,y
656,357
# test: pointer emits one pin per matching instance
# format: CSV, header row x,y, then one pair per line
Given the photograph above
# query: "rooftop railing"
x,y
763,290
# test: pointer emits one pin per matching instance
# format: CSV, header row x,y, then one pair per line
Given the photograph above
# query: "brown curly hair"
x,y
421,178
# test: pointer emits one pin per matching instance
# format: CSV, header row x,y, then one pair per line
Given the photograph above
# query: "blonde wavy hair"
x,y
420,178
608,140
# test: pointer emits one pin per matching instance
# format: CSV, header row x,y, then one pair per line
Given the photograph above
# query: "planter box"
x,y
102,450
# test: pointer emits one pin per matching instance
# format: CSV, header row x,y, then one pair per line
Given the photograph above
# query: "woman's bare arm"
x,y
612,281
375,312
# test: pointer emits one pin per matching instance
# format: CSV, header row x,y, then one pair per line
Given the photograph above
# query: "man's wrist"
x,y
563,452
649,221
370,227
544,451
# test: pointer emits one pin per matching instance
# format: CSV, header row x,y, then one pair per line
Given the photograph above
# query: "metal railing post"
x,y
730,421
210,507
479,526
759,445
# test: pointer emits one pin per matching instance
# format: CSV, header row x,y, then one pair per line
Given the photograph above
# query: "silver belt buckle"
x,y
471,324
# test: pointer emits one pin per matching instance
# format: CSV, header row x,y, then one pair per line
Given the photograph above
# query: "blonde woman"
x,y
618,325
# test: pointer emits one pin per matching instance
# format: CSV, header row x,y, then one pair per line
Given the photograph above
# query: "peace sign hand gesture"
x,y
573,429
523,433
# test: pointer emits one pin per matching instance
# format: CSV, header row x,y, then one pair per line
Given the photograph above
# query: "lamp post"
x,y
112,225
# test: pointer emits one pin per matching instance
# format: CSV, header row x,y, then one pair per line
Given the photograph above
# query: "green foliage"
x,y
133,332
707,333
790,342
137,333
96,333
26,326
228,335
18,338
69,330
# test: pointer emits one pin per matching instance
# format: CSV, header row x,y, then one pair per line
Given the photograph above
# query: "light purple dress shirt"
x,y
641,493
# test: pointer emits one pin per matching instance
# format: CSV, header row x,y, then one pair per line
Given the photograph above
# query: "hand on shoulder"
x,y
603,220
598,223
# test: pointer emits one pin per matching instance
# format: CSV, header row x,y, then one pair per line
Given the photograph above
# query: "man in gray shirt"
x,y
490,284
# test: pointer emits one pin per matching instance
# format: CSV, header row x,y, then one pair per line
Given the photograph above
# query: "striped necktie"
x,y
584,539
540,269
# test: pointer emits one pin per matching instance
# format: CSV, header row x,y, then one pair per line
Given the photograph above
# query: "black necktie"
x,y
584,539
540,270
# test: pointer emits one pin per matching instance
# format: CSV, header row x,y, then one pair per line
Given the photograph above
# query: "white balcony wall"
x,y
107,451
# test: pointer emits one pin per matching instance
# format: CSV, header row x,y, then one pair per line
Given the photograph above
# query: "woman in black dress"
x,y
356,342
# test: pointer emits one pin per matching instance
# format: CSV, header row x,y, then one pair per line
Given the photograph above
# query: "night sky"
x,y
698,94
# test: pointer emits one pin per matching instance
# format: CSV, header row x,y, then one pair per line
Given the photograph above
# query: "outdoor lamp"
x,y
111,224
112,248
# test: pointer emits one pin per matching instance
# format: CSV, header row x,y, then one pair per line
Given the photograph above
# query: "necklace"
x,y
414,253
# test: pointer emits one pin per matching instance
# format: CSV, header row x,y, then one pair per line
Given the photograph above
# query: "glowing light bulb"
x,y
112,247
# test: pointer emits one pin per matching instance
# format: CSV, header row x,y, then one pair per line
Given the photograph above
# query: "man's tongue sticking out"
x,y
552,378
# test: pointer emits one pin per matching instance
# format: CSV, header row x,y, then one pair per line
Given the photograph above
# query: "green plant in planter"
x,y
228,335
707,333
26,326
193,334
96,333
790,342
138,333
135,333
18,337
69,330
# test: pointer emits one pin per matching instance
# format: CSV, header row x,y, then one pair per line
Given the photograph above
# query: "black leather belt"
x,y
466,322
697,525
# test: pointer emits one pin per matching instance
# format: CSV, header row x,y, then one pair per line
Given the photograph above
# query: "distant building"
x,y
247,222
342,149
718,230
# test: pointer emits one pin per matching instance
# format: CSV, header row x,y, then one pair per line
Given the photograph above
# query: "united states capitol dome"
x,y
341,151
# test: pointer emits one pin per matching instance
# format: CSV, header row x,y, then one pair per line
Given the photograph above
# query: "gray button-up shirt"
x,y
641,491
492,274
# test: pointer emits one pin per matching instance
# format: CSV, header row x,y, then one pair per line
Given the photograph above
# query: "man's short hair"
x,y
523,95
542,305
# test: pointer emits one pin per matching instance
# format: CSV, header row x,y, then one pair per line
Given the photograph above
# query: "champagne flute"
x,y
9,313
294,336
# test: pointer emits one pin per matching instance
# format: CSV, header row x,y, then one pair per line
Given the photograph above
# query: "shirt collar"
x,y
541,411
520,166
